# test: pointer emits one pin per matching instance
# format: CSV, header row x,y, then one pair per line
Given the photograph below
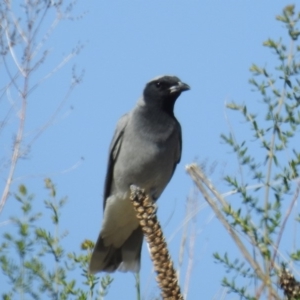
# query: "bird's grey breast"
x,y
148,153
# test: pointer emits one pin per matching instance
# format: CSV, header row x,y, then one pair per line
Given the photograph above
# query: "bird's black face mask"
x,y
162,92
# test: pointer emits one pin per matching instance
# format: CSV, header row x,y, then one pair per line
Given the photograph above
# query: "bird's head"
x,y
163,91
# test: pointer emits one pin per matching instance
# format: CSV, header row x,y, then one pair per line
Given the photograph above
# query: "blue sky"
x,y
208,44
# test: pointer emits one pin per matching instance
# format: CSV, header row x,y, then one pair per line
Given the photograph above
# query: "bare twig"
x,y
191,248
198,177
184,236
24,35
16,151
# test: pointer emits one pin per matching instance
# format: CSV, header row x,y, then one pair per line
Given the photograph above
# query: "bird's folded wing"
x,y
113,154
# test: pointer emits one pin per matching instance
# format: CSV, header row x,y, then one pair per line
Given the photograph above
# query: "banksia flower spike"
x,y
163,265
289,285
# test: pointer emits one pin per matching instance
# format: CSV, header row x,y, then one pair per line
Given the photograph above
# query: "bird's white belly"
x,y
119,220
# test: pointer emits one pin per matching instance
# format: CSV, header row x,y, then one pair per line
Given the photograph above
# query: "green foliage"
x,y
272,159
35,262
241,291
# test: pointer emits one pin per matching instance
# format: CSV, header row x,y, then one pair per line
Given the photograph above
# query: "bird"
x,y
145,150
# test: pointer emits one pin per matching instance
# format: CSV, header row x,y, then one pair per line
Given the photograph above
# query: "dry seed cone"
x,y
163,265
289,285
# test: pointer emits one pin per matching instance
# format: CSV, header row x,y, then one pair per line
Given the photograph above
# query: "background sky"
x,y
208,44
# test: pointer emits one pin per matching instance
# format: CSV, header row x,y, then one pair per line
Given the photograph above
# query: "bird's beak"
x,y
179,87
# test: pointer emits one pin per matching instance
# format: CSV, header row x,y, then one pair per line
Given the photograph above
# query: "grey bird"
x,y
145,149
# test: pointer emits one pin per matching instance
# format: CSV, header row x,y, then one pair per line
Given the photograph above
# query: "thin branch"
x,y
46,36
53,116
67,170
12,78
287,215
183,239
54,70
191,249
234,139
16,149
12,53
17,26
198,177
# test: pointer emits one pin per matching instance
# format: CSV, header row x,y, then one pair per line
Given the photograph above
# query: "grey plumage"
x,y
145,150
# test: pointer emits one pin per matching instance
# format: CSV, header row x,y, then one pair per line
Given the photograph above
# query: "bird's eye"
x,y
158,84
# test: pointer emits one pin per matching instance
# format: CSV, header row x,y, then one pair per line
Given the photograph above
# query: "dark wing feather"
x,y
113,153
179,147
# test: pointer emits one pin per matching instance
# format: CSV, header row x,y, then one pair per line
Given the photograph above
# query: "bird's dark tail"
x,y
126,258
